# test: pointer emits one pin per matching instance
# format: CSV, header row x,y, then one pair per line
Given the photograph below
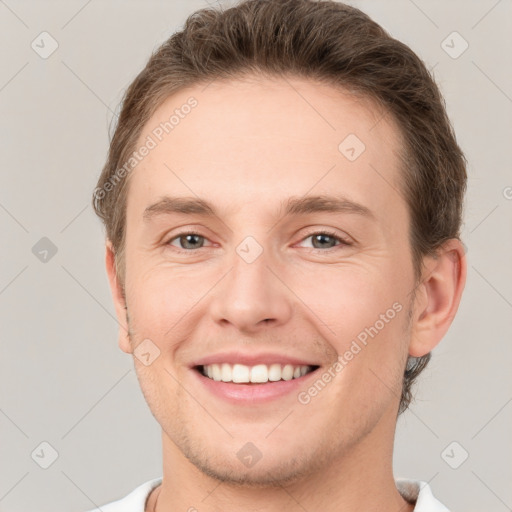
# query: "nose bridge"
x,y
251,292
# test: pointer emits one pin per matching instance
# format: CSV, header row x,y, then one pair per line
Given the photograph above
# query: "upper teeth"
x,y
259,373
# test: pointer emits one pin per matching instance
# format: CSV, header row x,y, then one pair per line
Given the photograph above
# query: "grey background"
x,y
63,379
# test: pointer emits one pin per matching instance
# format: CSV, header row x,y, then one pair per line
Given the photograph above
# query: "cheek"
x,y
362,314
162,300
349,299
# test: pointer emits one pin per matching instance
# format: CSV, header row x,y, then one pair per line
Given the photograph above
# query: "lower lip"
x,y
253,393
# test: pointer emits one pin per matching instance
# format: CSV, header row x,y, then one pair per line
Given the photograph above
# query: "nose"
x,y
252,296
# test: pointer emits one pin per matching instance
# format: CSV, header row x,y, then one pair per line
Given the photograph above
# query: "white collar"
x,y
411,490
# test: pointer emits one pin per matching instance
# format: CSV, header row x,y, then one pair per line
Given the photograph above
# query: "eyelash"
x,y
331,234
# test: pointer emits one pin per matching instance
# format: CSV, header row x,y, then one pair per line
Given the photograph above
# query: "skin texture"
x,y
246,147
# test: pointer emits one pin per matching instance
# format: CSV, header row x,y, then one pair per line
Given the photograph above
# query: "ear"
x,y
438,296
118,297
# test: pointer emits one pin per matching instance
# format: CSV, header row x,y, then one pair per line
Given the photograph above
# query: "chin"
x,y
273,469
265,476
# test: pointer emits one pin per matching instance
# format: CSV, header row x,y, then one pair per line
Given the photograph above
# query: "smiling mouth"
x,y
258,374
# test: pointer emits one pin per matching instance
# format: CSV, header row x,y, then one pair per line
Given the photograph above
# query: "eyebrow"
x,y
292,206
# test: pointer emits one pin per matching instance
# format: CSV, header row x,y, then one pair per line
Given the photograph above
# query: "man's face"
x,y
258,282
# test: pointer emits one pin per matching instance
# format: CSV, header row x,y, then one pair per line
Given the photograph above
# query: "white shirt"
x,y
417,492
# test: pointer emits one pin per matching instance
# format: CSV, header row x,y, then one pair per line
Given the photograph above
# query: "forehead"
x,y
263,140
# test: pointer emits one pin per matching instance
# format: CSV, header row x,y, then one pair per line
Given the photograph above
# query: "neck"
x,y
360,478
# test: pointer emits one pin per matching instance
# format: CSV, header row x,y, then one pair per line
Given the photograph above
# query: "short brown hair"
x,y
319,40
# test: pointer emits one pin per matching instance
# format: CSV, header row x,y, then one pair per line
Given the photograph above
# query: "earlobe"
x,y
438,297
118,298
